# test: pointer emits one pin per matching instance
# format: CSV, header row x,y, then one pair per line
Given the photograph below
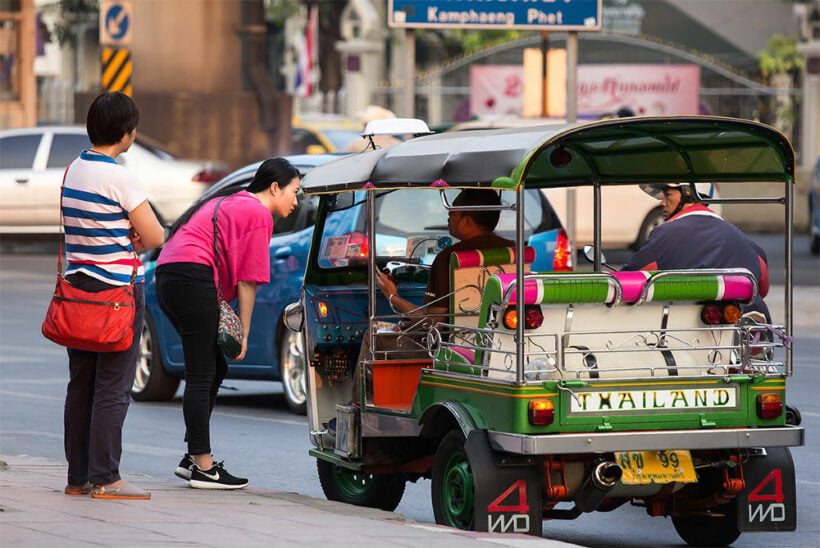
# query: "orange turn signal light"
x,y
324,309
533,317
769,406
541,412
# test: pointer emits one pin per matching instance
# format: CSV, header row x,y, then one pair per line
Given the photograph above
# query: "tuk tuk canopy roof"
x,y
629,150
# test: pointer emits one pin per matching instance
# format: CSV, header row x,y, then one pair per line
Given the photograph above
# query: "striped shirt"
x,y
98,195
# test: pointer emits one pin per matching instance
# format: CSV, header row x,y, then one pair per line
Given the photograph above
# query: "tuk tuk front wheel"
x,y
383,491
453,486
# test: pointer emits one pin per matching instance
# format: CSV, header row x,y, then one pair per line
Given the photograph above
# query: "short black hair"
x,y
480,196
111,116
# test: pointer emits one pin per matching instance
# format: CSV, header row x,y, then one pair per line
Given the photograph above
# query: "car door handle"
x,y
283,252
21,179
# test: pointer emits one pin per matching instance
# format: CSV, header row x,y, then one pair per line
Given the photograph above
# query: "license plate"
x,y
642,467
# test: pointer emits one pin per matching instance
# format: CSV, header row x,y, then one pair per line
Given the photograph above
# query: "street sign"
x,y
115,22
496,14
117,69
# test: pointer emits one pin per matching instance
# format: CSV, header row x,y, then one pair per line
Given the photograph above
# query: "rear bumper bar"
x,y
729,438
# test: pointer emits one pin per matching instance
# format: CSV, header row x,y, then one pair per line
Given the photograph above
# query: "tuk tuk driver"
x,y
694,236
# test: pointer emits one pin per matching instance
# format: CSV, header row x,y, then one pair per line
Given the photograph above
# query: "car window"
x,y
18,151
341,138
303,215
301,139
65,148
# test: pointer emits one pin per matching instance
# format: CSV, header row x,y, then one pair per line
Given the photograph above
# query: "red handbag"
x,y
97,322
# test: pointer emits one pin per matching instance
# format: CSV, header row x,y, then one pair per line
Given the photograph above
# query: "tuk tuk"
x,y
589,388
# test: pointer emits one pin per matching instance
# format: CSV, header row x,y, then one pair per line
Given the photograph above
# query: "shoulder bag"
x,y
100,321
230,332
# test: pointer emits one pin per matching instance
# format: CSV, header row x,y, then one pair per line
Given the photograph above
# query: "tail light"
x,y
769,406
562,259
208,175
541,412
720,313
533,317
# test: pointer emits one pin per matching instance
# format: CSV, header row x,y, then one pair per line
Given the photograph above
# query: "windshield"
x,y
411,224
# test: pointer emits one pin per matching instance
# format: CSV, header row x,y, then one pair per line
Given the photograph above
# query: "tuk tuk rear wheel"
x,y
453,486
705,530
383,491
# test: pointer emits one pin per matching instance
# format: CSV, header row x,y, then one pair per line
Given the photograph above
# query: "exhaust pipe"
x,y
597,486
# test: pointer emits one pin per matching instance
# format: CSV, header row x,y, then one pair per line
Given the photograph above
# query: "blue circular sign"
x,y
117,22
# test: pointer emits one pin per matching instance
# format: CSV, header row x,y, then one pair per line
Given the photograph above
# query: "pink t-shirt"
x,y
245,228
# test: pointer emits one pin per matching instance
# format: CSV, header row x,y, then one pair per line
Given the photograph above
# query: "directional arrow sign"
x,y
115,22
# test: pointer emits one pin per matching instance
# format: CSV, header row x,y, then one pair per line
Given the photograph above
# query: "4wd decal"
x,y
768,503
519,520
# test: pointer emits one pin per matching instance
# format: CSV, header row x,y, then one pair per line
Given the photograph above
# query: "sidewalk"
x,y
35,512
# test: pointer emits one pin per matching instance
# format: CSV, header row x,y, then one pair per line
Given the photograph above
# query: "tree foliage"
x,y
780,57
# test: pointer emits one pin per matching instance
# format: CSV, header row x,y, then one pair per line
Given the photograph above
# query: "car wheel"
x,y
151,381
653,218
718,529
341,484
453,488
292,369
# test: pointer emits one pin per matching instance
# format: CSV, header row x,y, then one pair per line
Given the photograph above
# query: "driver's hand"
x,y
386,284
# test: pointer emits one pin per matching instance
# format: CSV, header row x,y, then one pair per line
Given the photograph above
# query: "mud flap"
x,y
769,500
508,489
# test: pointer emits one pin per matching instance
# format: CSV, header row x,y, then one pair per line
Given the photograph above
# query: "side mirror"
x,y
294,317
589,255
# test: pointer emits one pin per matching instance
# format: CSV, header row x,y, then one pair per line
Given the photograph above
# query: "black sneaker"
x,y
215,478
183,470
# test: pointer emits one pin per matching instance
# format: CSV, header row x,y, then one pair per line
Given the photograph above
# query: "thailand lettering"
x,y
654,400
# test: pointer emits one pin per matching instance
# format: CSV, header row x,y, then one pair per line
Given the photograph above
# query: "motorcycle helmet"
x,y
697,192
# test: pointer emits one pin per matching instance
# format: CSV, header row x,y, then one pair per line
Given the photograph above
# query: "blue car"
x,y
273,353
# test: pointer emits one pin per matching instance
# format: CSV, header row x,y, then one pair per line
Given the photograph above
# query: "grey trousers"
x,y
97,399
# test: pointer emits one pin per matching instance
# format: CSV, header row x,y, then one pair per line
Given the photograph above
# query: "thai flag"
x,y
304,74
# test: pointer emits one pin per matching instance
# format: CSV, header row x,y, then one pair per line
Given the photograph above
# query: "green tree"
x,y
778,63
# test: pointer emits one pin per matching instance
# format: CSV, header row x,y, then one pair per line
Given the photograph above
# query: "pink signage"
x,y
496,90
648,90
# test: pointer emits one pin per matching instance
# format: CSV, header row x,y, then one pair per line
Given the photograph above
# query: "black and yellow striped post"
x,y
117,68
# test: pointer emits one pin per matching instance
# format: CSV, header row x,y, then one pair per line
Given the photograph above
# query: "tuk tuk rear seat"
x,y
607,324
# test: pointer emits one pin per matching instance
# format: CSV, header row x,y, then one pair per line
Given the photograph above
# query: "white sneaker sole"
x,y
197,484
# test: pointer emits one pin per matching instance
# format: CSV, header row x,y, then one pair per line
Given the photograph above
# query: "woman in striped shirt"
x,y
106,220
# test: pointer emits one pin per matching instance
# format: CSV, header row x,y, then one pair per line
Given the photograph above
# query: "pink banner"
x,y
496,90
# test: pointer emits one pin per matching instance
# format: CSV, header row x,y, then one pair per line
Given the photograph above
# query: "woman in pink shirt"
x,y
186,288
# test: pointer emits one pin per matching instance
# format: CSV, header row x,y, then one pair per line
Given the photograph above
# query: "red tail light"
x,y
209,175
769,406
562,259
541,412
533,317
720,313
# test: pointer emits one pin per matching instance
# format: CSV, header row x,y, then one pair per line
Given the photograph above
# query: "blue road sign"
x,y
116,22
496,14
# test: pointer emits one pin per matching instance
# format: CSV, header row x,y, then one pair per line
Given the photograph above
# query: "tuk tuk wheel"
x,y
382,491
292,372
453,486
705,530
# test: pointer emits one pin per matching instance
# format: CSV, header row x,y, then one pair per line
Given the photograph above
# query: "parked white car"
x,y
33,160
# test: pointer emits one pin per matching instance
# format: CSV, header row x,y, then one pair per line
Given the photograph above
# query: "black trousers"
x,y
187,295
97,399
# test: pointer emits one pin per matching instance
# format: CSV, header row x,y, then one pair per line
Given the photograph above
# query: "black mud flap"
x,y
507,489
769,500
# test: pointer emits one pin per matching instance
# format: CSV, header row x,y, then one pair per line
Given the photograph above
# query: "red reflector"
x,y
541,412
562,258
769,406
533,318
711,314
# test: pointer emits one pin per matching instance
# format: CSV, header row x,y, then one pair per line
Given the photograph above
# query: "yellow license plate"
x,y
642,467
